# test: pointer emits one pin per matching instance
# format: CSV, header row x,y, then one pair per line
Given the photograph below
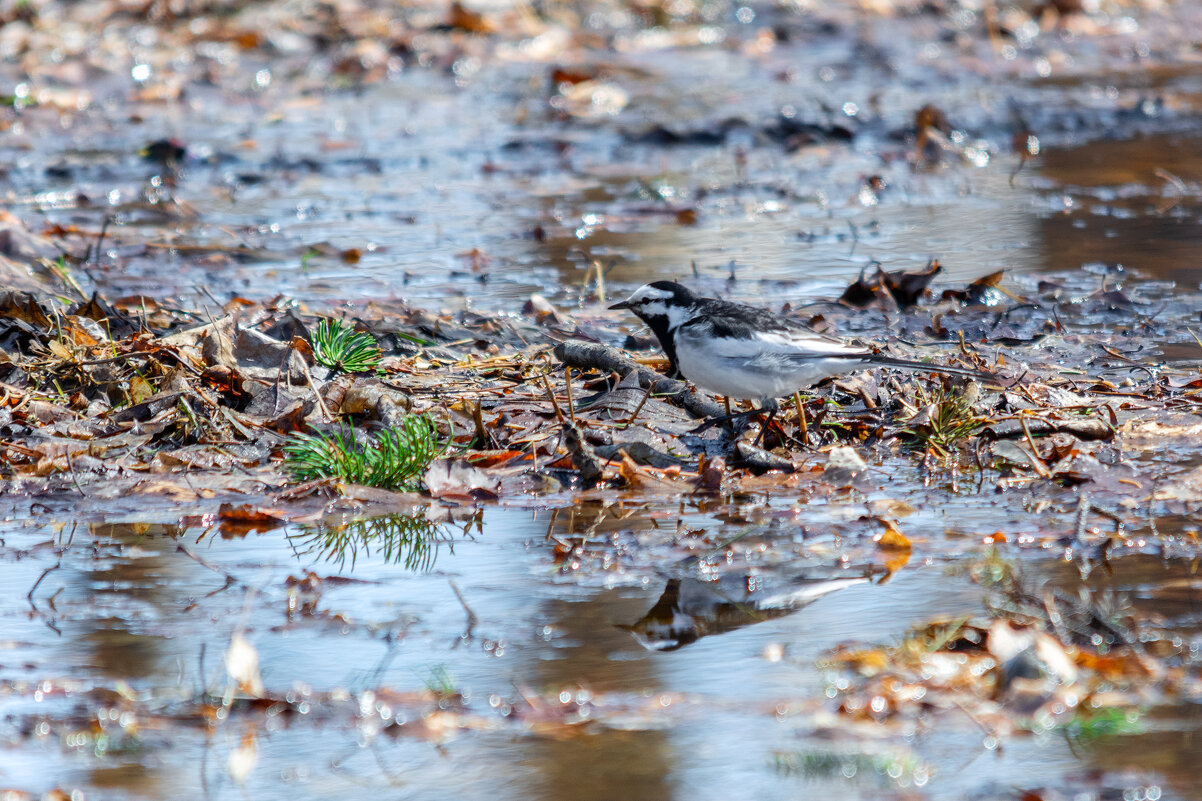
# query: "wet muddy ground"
x,y
1018,619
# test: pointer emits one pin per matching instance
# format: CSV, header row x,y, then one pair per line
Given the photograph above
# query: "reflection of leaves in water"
x,y
883,768
1089,727
411,540
440,683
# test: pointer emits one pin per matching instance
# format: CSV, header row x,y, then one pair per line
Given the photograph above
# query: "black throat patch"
x,y
659,326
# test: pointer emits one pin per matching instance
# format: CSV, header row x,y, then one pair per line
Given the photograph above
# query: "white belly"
x,y
757,374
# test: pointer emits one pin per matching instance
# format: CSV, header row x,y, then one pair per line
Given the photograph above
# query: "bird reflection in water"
x,y
689,609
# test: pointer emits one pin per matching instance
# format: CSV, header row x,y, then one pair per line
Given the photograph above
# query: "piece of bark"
x,y
759,460
590,466
595,356
1083,429
640,452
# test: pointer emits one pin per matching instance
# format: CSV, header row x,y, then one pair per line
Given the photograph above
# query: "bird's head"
x,y
660,303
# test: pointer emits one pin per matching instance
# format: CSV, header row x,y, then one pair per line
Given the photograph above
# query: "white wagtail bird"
x,y
749,353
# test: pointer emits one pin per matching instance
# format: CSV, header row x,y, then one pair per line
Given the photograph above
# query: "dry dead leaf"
x,y
449,478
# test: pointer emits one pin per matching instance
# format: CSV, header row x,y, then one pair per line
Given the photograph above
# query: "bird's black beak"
x,y
623,305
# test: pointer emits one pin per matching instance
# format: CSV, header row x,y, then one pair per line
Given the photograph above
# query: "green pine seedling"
x,y
393,459
340,347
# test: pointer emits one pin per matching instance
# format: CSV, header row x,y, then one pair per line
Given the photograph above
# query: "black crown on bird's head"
x,y
665,292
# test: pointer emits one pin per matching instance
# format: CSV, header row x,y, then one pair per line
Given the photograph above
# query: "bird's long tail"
x,y
907,364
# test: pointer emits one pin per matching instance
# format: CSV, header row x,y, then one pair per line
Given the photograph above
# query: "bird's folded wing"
x,y
785,348
782,360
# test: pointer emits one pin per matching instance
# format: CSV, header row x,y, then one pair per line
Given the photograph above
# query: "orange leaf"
x,y
242,519
493,458
891,539
467,20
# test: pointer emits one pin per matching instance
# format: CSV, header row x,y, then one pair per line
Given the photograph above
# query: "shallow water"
x,y
745,706
421,170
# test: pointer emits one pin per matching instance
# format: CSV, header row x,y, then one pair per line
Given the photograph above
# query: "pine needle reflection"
x,y
901,767
410,540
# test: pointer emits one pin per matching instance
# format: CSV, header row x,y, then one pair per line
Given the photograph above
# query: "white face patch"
x,y
652,308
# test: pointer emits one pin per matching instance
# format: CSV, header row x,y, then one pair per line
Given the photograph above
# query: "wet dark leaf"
x,y
864,290
167,152
242,519
115,323
24,307
908,288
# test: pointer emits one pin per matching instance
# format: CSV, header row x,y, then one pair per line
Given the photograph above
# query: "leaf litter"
x,y
546,405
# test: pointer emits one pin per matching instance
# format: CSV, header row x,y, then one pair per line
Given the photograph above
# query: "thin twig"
x,y
36,584
600,283
1040,466
104,227
122,357
21,449
638,408
567,378
1083,507
554,403
472,620
482,434
321,404
1055,618
1172,180
230,579
981,724
801,418
71,473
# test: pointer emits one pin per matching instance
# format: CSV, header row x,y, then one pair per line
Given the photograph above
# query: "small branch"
x,y
801,418
1038,463
1083,507
104,227
1055,618
71,473
472,620
321,404
637,409
567,378
554,402
122,357
594,356
230,579
36,584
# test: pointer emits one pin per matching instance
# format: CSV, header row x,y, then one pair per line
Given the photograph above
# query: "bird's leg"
x,y
772,407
